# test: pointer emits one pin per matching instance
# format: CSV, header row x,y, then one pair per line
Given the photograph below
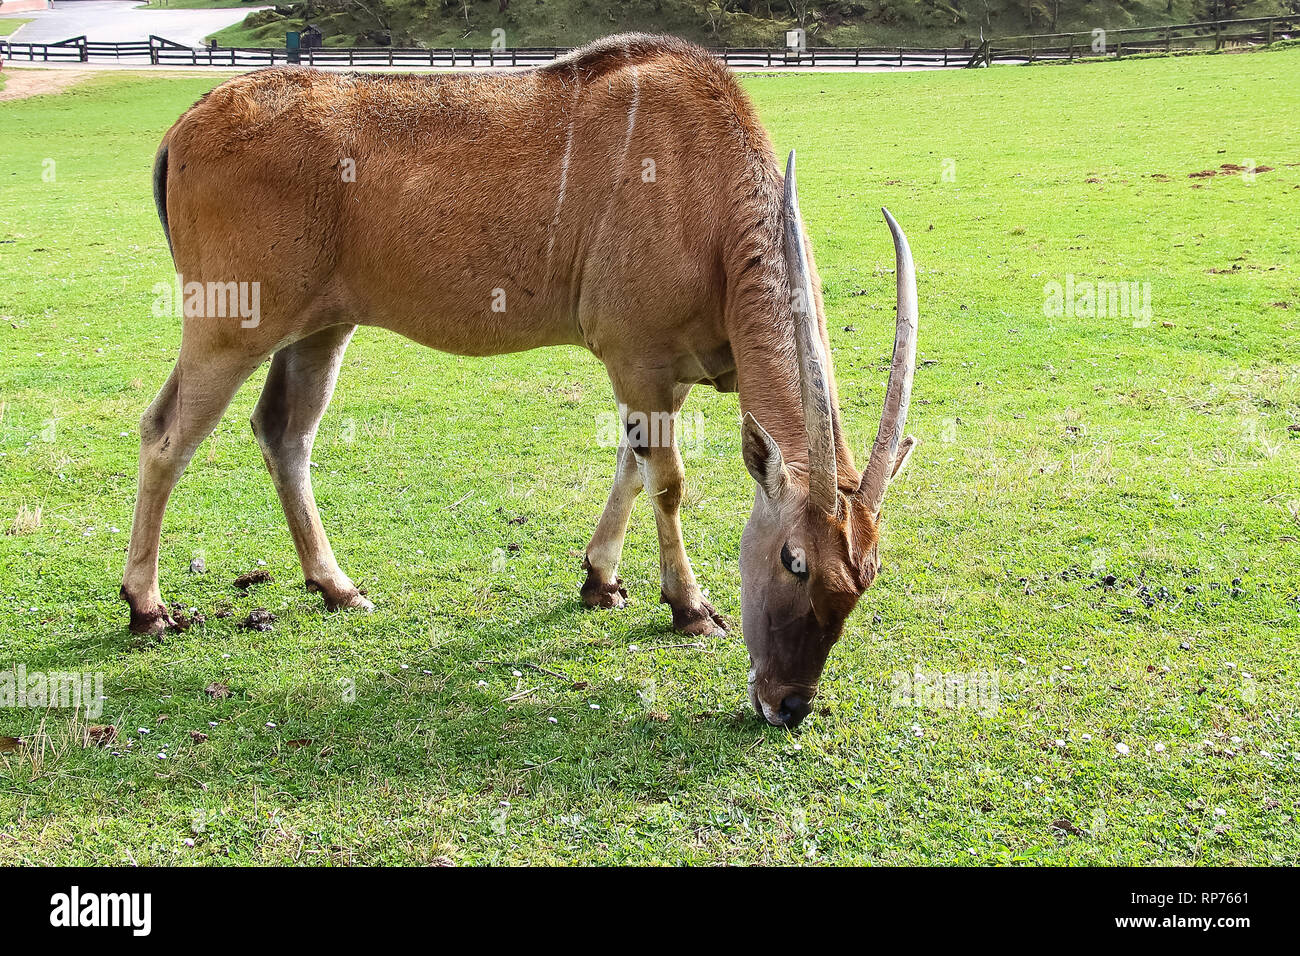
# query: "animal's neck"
x,y
767,373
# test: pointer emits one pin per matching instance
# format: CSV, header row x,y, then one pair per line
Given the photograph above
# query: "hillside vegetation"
x,y
471,23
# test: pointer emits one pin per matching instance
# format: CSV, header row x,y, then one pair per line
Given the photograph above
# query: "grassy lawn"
x,y
1056,451
9,24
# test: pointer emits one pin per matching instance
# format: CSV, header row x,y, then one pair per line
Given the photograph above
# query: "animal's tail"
x,y
160,192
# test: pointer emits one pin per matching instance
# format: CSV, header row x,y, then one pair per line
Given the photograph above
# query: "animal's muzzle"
x,y
794,707
793,710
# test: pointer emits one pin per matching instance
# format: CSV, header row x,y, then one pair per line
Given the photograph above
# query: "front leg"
x,y
603,587
651,433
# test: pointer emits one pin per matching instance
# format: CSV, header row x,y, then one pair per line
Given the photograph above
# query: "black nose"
x,y
793,709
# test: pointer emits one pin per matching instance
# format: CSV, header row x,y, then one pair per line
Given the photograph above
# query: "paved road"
x,y
117,21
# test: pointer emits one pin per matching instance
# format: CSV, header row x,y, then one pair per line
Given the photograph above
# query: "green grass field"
x,y
9,25
460,720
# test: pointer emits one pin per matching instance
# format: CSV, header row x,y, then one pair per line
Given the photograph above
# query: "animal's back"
x,y
478,213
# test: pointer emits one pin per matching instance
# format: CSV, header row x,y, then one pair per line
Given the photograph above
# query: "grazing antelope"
x,y
421,203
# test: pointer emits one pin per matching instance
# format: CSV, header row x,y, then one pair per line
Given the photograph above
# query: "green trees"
x,y
464,23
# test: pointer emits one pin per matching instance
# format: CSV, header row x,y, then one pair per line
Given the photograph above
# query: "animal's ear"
x,y
763,457
904,452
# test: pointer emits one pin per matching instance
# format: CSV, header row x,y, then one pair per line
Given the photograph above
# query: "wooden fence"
x,y
1216,34
1211,34
536,56
158,50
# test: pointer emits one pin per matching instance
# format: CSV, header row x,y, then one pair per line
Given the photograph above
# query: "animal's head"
x,y
809,550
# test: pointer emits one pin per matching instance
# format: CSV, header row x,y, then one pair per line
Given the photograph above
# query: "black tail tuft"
x,y
160,193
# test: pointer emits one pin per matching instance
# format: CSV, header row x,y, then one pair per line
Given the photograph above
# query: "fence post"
x,y
1270,31
1169,38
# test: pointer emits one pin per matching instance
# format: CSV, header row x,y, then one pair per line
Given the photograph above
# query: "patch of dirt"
x,y
259,620
182,622
20,84
246,581
100,735
1065,826
1228,169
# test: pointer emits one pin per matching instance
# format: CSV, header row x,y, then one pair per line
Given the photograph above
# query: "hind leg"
x,y
184,413
297,391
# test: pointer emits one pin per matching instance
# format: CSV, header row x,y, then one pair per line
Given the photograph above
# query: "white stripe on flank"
x,y
564,169
631,125
620,166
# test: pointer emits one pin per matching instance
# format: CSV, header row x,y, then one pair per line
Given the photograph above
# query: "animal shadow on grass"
x,y
432,723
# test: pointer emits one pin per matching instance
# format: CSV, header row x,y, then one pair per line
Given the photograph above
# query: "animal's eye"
x,y
796,562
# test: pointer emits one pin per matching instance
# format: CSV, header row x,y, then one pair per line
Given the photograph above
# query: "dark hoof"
x,y
352,600
598,594
698,621
602,594
156,621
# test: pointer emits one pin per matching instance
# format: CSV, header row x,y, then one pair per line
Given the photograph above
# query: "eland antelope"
x,y
625,199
